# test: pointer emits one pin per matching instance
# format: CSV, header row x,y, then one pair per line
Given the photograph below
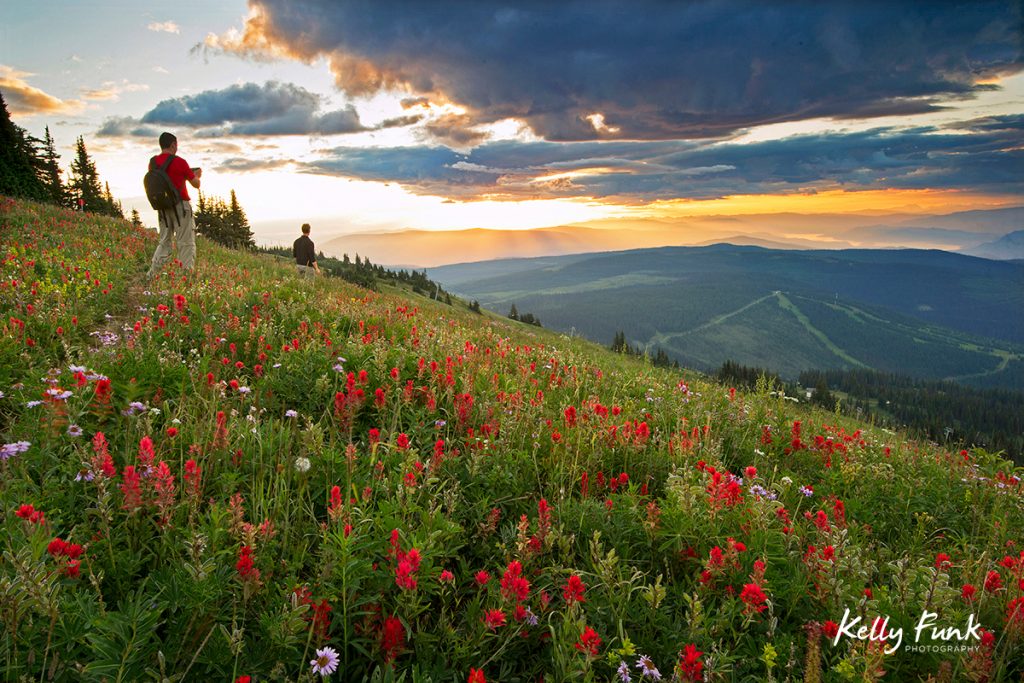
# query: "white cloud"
x,y
27,100
111,90
164,26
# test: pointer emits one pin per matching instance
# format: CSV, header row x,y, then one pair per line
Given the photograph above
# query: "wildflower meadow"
x,y
239,475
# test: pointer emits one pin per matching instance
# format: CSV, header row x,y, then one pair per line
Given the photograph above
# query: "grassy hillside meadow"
x,y
221,475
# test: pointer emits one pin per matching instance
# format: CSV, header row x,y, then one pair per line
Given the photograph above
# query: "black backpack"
x,y
160,190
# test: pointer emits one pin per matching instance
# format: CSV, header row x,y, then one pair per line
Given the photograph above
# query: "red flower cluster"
x,y
30,514
573,590
724,490
245,565
407,564
830,629
720,561
513,585
193,478
131,488
754,598
102,464
335,506
392,638
494,619
67,554
543,519
589,643
690,668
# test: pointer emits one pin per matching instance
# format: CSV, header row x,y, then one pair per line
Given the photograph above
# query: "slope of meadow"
x,y
215,476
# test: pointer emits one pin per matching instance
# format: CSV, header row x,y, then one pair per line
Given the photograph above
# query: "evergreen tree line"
x,y
223,221
366,274
740,376
939,410
528,318
30,169
660,359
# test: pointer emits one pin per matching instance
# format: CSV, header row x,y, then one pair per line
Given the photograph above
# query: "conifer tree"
x,y
212,219
137,219
240,232
619,342
51,172
113,206
513,313
18,160
85,181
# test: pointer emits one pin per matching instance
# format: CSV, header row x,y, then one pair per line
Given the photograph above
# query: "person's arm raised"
x,y
194,181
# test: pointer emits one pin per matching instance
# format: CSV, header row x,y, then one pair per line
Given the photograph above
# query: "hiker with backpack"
x,y
168,194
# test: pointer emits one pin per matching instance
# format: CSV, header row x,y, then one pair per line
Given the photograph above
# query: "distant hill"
x,y
955,231
752,241
931,314
1007,247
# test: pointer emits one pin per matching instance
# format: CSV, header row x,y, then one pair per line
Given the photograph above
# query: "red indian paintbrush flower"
x,y
245,565
193,477
589,642
494,619
392,638
754,597
29,513
131,488
690,668
513,585
334,505
573,590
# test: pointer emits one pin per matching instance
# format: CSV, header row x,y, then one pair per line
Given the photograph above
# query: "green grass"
x,y
295,442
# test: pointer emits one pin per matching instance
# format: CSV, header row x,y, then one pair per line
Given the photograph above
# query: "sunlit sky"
x,y
382,116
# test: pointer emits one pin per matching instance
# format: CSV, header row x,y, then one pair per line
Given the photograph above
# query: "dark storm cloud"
x,y
250,109
654,70
982,155
247,110
247,102
125,126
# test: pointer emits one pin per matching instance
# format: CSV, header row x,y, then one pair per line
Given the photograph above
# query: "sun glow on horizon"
x,y
925,201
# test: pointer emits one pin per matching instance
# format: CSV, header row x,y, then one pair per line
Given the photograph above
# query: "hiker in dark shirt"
x,y
305,254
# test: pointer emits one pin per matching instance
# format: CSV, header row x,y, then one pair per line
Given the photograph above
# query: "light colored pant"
x,y
181,229
306,272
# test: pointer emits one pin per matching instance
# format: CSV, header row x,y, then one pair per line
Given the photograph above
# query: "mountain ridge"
x,y
961,312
